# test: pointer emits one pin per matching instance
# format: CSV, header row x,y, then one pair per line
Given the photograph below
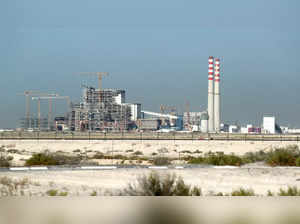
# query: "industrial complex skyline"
x,y
159,59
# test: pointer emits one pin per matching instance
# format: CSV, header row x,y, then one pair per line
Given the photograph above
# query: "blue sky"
x,y
157,51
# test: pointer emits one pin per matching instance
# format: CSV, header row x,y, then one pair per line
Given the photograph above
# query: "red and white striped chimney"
x,y
210,103
217,96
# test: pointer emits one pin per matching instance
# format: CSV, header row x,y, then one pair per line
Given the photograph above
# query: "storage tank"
x,y
204,122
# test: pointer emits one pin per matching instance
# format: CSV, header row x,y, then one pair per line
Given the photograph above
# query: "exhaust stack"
x,y
217,96
210,103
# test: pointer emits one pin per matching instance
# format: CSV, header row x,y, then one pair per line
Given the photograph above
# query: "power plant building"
x,y
103,109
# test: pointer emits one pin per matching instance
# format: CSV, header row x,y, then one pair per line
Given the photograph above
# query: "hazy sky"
x,y
157,51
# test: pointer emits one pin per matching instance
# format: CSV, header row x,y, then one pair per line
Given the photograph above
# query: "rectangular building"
x,y
269,125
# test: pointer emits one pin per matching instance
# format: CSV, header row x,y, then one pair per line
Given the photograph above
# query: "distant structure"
x,y
32,122
103,109
210,104
106,110
192,118
217,96
204,122
213,105
270,126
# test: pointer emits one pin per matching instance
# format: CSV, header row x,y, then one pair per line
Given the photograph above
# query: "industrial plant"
x,y
107,110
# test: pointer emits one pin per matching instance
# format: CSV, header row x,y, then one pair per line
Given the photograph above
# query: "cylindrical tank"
x,y
204,122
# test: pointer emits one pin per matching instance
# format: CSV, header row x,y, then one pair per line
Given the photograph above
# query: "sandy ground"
x,y
169,147
209,179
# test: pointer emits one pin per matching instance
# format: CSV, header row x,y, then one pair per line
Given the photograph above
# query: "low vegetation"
x,y
243,192
48,159
284,156
161,161
54,192
100,155
153,184
217,159
5,161
156,185
138,153
291,191
94,193
12,187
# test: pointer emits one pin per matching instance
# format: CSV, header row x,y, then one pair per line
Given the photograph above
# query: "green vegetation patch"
x,y
49,159
284,156
157,185
5,161
217,159
243,192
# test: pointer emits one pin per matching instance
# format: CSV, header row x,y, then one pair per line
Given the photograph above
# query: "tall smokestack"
x,y
217,96
210,103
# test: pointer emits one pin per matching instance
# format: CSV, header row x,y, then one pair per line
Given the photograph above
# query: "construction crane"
x,y
27,94
50,98
99,74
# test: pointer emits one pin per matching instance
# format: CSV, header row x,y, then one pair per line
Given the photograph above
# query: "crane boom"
x,y
99,74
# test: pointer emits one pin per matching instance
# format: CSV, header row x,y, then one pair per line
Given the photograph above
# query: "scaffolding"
x,y
35,123
103,109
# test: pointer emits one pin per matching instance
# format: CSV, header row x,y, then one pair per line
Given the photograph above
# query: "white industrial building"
x,y
269,125
136,111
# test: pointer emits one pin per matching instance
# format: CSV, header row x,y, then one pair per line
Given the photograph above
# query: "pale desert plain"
x,y
258,177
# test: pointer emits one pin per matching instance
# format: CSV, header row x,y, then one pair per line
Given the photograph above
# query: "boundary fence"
x,y
194,136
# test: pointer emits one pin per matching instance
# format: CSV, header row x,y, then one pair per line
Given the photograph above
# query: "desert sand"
x,y
260,179
209,179
168,147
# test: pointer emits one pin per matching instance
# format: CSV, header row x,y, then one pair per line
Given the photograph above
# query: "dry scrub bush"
x,y
161,161
243,192
94,193
54,192
252,157
217,159
138,153
156,185
283,156
49,159
291,191
5,160
11,187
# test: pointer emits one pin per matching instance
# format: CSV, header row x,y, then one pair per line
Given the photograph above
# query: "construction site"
x,y
106,110
98,110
